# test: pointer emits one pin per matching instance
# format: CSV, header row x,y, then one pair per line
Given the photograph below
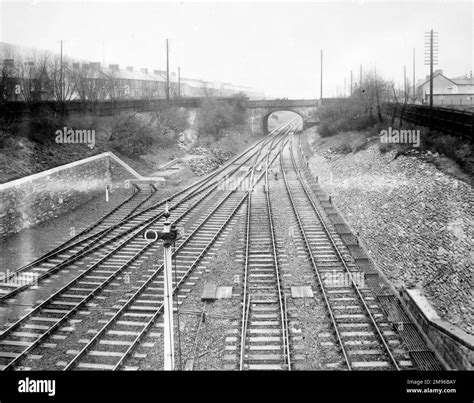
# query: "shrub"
x,y
42,126
131,136
215,115
343,116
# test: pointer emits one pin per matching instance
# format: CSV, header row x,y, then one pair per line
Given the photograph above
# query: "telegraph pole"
x,y
61,73
360,76
414,89
351,83
431,57
179,82
321,96
405,82
167,72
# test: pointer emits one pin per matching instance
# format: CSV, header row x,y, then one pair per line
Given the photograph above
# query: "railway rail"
x,y
421,356
94,239
110,307
42,321
264,339
359,327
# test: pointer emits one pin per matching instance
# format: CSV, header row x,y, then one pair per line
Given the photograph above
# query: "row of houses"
x,y
43,78
457,91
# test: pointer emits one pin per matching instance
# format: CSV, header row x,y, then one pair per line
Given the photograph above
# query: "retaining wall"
x,y
28,201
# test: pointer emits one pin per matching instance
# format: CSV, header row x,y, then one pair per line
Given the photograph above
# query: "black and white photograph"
x,y
267,196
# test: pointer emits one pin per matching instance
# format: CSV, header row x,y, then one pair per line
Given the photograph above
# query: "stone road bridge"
x,y
260,110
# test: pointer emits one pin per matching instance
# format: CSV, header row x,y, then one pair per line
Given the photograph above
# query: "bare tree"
x,y
8,82
89,83
114,85
33,77
62,81
372,95
207,91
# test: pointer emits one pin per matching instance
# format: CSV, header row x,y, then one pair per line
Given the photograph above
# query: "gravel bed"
x,y
219,269
308,316
128,279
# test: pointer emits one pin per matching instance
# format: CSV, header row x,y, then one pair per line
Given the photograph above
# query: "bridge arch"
x,y
259,110
266,117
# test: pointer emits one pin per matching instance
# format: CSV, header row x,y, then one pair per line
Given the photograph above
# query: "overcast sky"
x,y
274,46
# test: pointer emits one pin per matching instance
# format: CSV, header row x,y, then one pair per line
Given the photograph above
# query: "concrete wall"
x,y
33,199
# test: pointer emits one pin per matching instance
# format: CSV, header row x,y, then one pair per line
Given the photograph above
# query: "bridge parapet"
x,y
281,103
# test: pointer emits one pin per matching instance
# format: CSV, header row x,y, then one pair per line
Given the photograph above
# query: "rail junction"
x,y
96,294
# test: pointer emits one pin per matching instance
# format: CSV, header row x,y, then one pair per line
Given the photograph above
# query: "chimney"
x,y
130,68
438,71
159,72
144,70
114,67
95,65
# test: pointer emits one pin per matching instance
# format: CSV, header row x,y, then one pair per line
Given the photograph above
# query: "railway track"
x,y
107,313
130,322
420,355
96,237
363,335
30,331
264,340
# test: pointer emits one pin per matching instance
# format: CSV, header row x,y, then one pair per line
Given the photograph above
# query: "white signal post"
x,y
168,296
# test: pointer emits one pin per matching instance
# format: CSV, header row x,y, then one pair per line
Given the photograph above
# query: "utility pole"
x,y
167,72
179,82
360,76
414,89
321,96
431,57
61,73
405,81
351,83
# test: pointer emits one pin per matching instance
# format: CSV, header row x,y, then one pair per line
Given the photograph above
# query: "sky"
x,y
273,46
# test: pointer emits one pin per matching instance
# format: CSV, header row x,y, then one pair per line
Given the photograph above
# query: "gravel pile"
x,y
204,165
198,151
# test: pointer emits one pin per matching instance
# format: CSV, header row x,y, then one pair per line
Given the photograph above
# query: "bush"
x,y
134,134
215,115
42,126
343,116
169,121
131,136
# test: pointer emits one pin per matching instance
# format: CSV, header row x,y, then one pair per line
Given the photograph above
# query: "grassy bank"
x,y
144,140
364,126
